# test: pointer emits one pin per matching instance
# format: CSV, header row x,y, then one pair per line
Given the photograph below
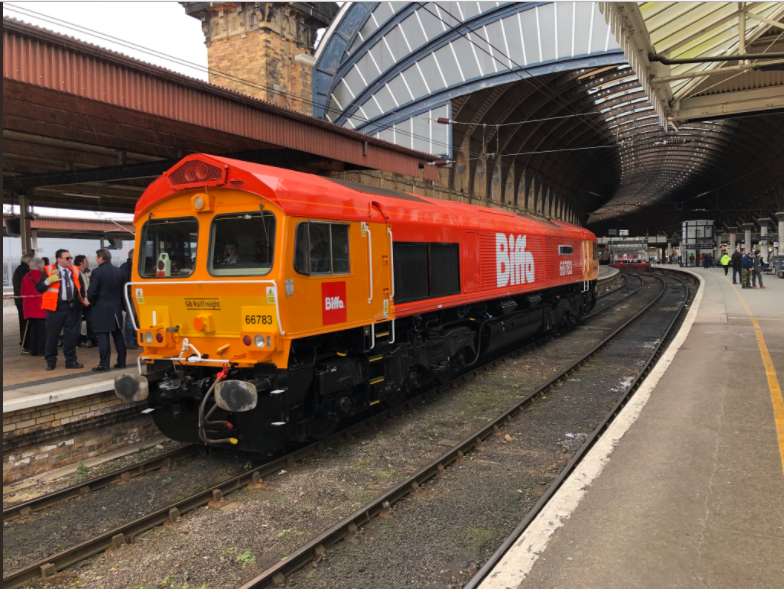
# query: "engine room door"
x,y
380,270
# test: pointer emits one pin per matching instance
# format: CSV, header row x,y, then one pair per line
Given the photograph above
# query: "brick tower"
x,y
263,49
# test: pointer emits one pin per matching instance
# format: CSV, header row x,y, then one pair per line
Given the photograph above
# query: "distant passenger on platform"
x,y
83,263
737,265
756,271
106,298
63,299
725,262
748,267
35,316
21,271
130,332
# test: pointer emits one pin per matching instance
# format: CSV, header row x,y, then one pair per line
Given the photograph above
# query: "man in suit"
x,y
106,298
64,298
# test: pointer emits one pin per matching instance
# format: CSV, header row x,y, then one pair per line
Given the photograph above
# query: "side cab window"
x,y
322,248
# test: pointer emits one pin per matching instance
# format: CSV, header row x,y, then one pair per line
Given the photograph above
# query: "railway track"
x,y
126,533
670,302
632,285
163,462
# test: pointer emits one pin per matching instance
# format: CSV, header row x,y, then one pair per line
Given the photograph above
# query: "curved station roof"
x,y
580,106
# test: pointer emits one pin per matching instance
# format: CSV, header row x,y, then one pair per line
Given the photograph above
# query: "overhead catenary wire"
x,y
210,70
539,87
445,121
204,69
492,55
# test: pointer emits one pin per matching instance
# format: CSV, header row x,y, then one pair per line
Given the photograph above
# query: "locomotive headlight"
x,y
149,338
198,202
260,341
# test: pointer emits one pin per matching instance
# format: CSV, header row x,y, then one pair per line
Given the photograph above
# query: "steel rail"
x,y
487,568
597,312
349,526
123,474
125,533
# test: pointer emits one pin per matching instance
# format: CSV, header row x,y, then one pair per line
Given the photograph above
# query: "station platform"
x,y
27,383
607,273
686,487
52,419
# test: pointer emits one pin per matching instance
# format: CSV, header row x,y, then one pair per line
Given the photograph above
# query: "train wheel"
x,y
321,425
395,399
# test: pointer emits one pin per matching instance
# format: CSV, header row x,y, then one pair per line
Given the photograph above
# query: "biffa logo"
x,y
514,265
333,309
333,303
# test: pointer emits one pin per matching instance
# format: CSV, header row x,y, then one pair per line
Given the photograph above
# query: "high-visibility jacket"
x,y
52,294
725,260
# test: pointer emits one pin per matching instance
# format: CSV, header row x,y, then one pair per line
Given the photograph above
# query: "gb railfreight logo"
x,y
513,264
333,302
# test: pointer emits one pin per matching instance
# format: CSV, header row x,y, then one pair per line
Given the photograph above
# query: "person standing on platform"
x,y
64,297
725,262
737,265
130,332
106,298
748,266
83,263
34,315
21,271
756,271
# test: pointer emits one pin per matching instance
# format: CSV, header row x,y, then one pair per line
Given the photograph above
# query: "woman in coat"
x,y
34,315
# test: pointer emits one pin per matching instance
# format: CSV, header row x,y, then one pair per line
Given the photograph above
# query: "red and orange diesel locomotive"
x,y
272,304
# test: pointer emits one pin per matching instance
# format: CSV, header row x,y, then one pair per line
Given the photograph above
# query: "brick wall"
x,y
418,186
43,438
251,48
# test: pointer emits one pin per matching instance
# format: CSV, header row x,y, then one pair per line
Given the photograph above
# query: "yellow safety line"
x,y
773,383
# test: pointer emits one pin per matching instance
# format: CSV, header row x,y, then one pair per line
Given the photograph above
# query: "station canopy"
x,y
713,75
87,128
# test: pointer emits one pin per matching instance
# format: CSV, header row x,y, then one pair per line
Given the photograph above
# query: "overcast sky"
x,y
157,26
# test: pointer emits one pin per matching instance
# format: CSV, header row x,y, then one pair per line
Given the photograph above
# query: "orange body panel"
x,y
500,254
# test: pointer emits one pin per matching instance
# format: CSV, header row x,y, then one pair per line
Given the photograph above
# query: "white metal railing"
x,y
392,261
370,261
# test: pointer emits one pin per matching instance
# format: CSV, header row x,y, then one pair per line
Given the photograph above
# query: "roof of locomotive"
x,y
306,195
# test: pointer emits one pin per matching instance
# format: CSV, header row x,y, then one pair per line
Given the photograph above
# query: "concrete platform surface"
x,y
692,494
26,383
607,273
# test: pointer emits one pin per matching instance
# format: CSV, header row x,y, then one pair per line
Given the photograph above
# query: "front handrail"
x,y
189,282
370,261
392,261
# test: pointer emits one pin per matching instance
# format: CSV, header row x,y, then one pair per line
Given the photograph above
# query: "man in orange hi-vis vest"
x,y
63,300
